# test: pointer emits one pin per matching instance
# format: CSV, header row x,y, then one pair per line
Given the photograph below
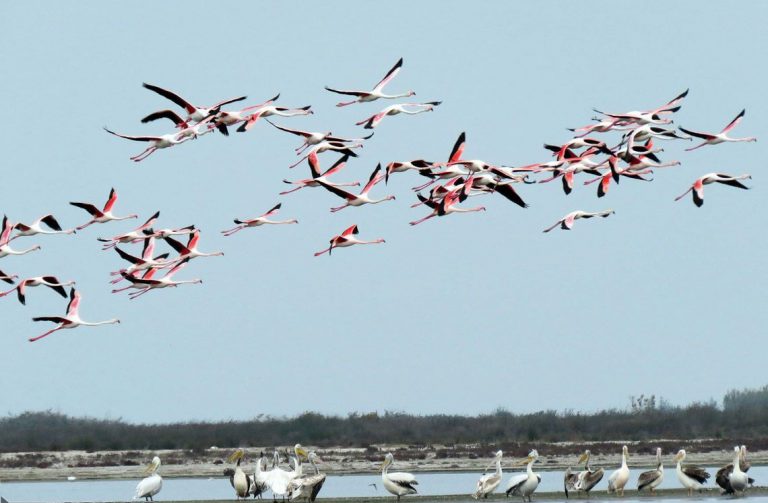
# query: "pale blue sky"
x,y
458,315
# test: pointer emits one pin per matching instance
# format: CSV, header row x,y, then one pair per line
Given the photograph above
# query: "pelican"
x,y
586,479
652,478
239,480
308,486
525,484
259,478
398,483
691,477
738,479
279,479
152,484
619,478
722,478
488,483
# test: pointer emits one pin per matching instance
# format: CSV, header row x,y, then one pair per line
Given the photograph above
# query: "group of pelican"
x,y
293,484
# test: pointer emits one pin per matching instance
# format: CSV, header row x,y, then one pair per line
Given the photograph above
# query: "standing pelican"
x,y
586,479
398,483
488,483
308,486
525,484
652,478
152,484
722,478
240,481
259,477
690,476
279,479
738,479
619,478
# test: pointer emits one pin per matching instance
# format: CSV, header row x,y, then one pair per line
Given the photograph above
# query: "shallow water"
x,y
336,486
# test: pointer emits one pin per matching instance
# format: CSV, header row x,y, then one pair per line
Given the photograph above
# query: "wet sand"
x,y
179,463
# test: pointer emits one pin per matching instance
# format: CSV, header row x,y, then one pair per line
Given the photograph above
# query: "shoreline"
x,y
116,465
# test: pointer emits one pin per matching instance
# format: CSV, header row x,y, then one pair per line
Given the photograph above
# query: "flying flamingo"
x,y
402,167
195,113
268,111
444,207
157,142
377,92
104,215
650,116
8,278
697,189
324,146
347,238
148,274
190,250
143,263
313,138
374,120
50,281
615,174
566,223
147,284
5,238
722,136
317,176
362,198
262,220
601,126
37,228
455,156
137,234
201,128
223,119
71,319
164,233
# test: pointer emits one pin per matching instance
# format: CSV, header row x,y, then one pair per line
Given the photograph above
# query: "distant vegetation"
x,y
743,415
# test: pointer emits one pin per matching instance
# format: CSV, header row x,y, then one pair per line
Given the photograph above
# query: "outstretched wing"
x,y
390,75
171,96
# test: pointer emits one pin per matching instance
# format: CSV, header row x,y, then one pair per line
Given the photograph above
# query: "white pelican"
x,y
738,479
152,484
619,478
722,477
259,477
525,484
308,486
239,480
398,483
691,477
652,478
488,483
279,479
586,479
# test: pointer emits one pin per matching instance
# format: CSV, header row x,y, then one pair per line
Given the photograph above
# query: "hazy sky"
x,y
460,314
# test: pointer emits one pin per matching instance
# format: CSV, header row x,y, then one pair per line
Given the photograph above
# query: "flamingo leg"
x,y
49,332
139,294
697,146
292,190
86,225
297,162
327,250
346,103
233,230
144,154
422,187
338,208
302,148
417,222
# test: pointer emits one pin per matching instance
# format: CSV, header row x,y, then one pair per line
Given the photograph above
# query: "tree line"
x,y
743,415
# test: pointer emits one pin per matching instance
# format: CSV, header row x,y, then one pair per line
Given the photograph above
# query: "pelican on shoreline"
x,y
652,478
488,483
722,477
398,483
584,480
691,477
525,484
308,486
278,479
239,480
620,477
152,484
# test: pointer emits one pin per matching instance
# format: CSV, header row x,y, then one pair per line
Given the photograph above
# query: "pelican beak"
x,y
582,458
301,452
526,461
149,469
238,454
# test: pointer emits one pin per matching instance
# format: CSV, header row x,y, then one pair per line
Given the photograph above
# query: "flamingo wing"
x,y
74,302
734,122
390,75
171,96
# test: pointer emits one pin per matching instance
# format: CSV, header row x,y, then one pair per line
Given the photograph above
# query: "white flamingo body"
x,y
71,319
318,177
401,108
345,239
156,142
50,281
104,215
36,227
147,284
132,236
721,137
566,223
259,221
190,250
363,197
697,189
377,92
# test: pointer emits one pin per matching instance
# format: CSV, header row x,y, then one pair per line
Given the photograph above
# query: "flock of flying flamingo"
x,y
296,485
448,183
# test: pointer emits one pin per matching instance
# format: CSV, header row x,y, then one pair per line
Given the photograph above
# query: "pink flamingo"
x,y
190,250
313,138
697,189
5,239
104,215
566,223
137,234
8,278
377,92
347,238
444,207
261,220
195,113
722,136
157,142
362,198
71,319
36,227
50,281
401,108
146,284
317,176
143,263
